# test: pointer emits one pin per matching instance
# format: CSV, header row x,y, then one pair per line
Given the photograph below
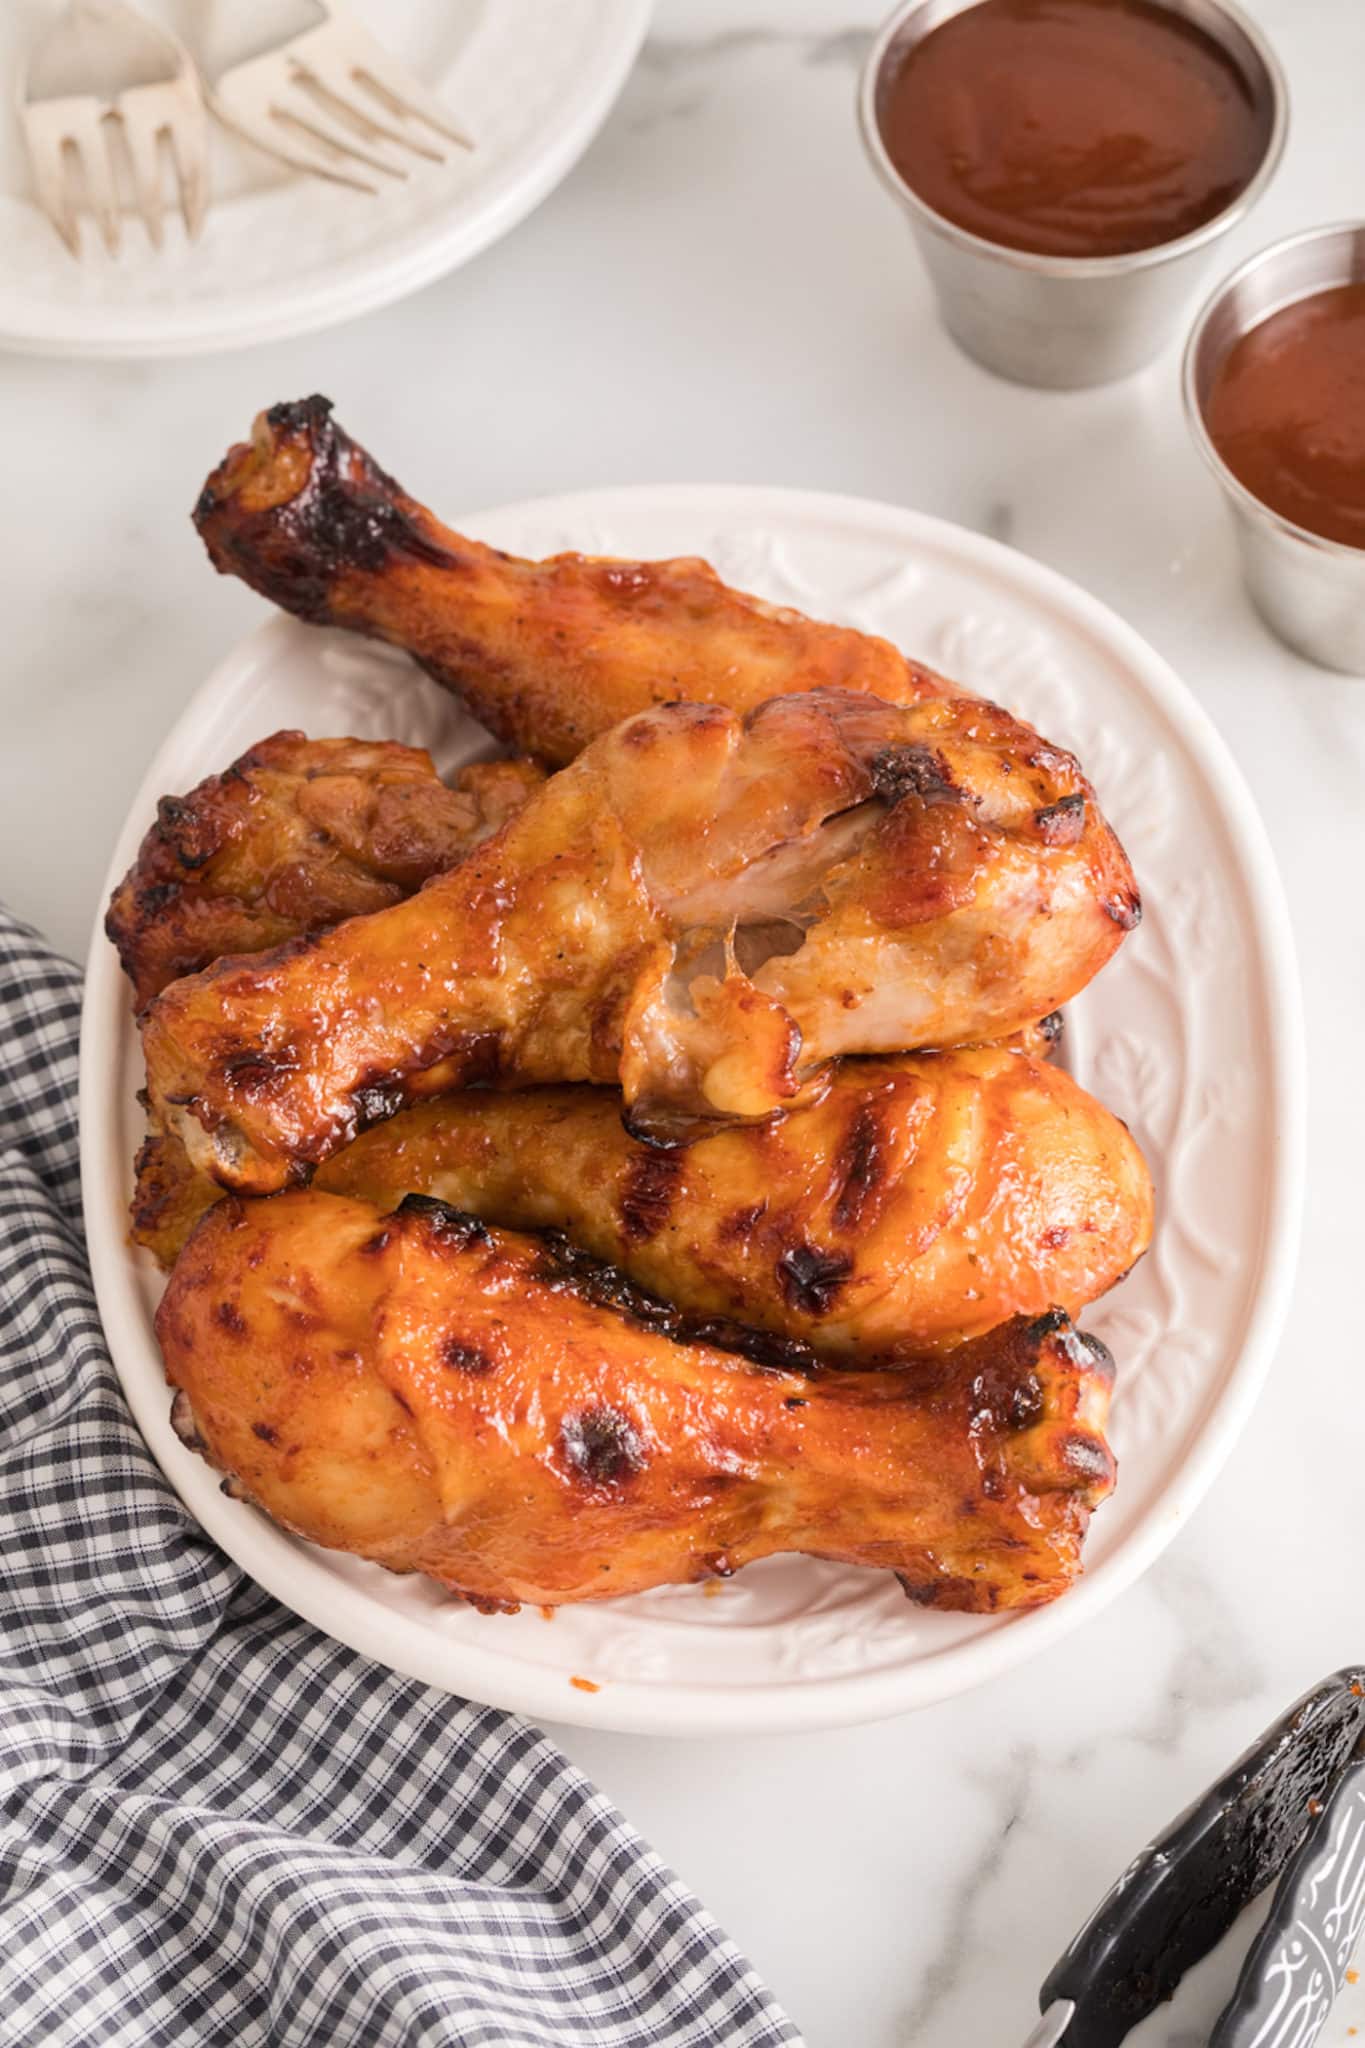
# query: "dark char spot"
x,y
453,1227
184,1424
375,1102
1089,1354
230,1317
564,1268
1086,1458
763,1348
1062,823
901,772
465,1358
256,1072
602,1445
1002,1398
349,515
266,1434
952,1592
810,1278
1125,909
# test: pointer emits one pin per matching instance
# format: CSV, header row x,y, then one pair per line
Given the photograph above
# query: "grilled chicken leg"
x,y
548,654
704,907
521,1424
922,1202
295,836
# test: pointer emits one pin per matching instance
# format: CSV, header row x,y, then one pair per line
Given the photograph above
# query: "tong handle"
x,y
1298,1962
1181,1894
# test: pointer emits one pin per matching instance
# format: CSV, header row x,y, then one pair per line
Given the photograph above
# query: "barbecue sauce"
x,y
1072,127
1286,411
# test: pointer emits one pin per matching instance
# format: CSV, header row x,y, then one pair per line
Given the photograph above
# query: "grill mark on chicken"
x,y
647,1193
763,1348
860,1167
810,1279
738,1225
566,1268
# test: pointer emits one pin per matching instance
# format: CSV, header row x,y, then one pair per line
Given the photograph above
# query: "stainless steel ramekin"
x,y
1309,590
1064,321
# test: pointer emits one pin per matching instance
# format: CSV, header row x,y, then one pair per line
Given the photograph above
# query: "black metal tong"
x,y
1292,1808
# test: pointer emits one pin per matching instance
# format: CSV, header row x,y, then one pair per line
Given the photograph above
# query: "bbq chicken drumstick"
x,y
920,1203
517,1421
547,655
295,836
702,907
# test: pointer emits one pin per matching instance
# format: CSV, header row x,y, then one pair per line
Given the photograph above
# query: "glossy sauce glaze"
x,y
1286,411
1072,127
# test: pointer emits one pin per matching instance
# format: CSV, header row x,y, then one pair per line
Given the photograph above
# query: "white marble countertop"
x,y
721,292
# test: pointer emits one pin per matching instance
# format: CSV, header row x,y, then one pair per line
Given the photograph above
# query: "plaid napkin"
x,y
217,1825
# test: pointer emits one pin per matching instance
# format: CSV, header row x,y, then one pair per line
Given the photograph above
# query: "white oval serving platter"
x,y
1193,1035
283,253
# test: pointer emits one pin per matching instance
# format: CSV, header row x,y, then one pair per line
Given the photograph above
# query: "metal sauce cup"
x,y
1065,321
1309,590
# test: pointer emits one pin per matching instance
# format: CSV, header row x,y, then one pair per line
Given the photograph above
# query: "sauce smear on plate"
x,y
1286,411
1072,127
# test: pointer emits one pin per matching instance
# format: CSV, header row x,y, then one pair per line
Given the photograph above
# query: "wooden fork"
x,y
102,77
335,102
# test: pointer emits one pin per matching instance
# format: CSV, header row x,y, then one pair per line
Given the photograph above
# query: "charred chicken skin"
x,y
920,1203
521,1424
703,907
295,836
547,655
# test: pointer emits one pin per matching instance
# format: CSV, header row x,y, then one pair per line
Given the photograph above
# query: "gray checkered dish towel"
x,y
217,1825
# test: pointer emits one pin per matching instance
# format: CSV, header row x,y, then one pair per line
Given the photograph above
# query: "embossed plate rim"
x,y
308,1580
